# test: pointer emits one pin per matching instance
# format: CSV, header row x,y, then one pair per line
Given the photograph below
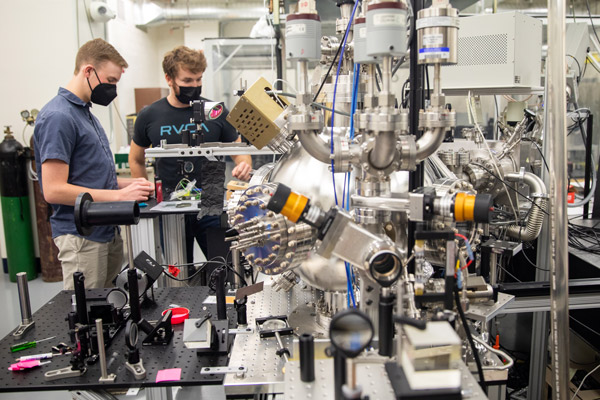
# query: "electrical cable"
x,y
463,319
583,380
578,67
531,263
584,325
587,3
337,53
590,195
472,112
511,188
337,75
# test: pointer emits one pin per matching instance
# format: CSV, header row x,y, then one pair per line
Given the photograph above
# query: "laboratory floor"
x,y
40,293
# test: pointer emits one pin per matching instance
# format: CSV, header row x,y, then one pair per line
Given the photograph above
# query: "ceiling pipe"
x,y
153,15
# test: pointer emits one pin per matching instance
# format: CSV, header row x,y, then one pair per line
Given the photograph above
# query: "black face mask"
x,y
103,93
188,94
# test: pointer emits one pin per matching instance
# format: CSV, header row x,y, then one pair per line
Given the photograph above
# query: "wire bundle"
x,y
584,238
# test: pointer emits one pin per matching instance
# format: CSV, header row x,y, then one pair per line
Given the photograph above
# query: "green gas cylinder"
x,y
15,207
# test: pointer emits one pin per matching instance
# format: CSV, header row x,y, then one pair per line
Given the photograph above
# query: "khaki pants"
x,y
99,262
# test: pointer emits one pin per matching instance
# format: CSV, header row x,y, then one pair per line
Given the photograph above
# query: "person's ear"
x,y
169,80
87,70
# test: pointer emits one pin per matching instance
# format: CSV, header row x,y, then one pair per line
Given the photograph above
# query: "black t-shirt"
x,y
160,121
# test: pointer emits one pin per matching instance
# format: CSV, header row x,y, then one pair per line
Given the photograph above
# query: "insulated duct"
x,y
157,13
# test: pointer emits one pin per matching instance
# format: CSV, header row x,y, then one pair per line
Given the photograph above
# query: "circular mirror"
x,y
117,298
351,331
274,325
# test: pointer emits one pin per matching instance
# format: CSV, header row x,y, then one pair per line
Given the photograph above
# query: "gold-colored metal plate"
x,y
254,114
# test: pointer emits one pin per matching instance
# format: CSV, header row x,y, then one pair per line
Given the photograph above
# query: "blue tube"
x,y
337,75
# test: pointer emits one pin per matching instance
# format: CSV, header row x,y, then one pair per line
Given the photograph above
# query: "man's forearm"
x,y
124,182
242,158
67,193
138,170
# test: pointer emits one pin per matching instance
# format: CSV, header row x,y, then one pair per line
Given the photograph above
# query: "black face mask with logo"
x,y
187,94
103,93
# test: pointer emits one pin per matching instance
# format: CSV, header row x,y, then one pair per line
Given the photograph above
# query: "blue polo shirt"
x,y
66,130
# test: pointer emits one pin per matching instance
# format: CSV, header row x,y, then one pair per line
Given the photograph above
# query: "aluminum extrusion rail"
x,y
208,150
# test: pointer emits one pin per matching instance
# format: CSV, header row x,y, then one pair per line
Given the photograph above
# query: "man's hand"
x,y
242,171
139,189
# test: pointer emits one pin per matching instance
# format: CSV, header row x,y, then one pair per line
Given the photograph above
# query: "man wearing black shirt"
x,y
166,119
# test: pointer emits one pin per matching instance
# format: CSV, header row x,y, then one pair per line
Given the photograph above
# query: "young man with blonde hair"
x,y
165,119
73,156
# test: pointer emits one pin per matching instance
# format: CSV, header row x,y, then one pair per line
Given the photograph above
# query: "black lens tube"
x,y
339,374
307,357
220,294
134,294
386,322
79,284
88,213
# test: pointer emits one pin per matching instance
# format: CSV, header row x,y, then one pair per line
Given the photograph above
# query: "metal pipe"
x,y
371,81
386,74
384,150
429,142
101,349
557,159
535,220
303,77
24,298
437,76
314,146
281,346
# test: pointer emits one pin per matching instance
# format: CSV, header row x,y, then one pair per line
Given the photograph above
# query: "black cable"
x,y
194,274
584,325
470,339
511,188
531,263
578,67
594,66
337,53
587,3
537,146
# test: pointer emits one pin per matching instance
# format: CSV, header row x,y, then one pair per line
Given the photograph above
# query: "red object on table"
x,y
179,314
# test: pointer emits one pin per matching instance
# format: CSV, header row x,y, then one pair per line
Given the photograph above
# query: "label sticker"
x,y
433,40
434,52
362,32
387,19
295,29
436,21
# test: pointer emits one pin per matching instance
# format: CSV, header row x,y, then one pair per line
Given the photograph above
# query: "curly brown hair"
x,y
97,52
183,57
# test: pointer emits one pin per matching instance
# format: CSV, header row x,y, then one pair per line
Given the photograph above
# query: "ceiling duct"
x,y
158,13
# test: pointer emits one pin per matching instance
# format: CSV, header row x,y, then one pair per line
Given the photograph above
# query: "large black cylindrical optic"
x,y
89,213
386,323
307,357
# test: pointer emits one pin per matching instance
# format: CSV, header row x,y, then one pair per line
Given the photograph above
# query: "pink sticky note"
x,y
166,375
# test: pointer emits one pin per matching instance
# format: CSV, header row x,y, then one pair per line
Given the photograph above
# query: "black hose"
x,y
470,339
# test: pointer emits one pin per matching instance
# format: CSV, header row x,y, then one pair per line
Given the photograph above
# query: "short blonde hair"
x,y
97,52
183,57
